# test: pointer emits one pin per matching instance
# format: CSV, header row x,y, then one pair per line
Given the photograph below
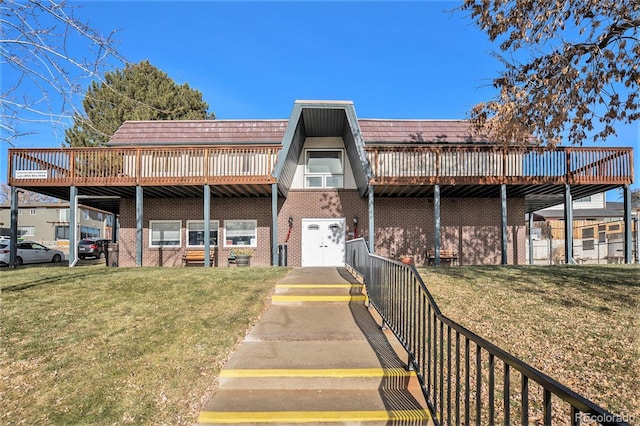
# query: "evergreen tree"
x,y
138,92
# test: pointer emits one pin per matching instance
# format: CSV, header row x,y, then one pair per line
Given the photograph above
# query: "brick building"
x,y
315,180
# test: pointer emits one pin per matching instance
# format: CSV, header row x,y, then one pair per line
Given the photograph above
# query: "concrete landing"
x,y
317,356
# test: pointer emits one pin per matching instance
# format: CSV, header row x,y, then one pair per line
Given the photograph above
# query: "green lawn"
x,y
578,324
98,345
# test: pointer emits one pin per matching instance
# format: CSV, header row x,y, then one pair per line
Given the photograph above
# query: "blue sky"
x,y
415,59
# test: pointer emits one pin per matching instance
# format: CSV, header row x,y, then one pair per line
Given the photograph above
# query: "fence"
x,y
465,379
593,242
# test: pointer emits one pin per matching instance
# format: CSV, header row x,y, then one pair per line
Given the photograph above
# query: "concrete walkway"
x,y
317,356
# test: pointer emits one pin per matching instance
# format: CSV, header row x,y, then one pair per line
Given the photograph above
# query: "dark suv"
x,y
92,248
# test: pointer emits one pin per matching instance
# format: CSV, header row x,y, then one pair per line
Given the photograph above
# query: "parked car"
x,y
29,252
90,247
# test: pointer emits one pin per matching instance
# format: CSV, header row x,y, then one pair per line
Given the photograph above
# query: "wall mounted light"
x,y
290,221
355,221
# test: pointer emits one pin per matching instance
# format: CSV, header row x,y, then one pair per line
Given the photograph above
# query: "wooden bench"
x,y
450,256
197,256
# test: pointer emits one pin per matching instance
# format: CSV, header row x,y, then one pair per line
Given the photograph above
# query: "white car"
x,y
29,252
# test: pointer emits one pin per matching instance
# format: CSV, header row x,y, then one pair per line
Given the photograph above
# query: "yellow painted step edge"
x,y
319,285
311,416
318,372
327,298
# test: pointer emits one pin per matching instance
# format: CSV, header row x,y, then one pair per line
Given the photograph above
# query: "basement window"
x,y
195,233
240,233
164,233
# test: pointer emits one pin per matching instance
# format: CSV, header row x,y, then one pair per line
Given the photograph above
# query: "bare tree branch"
x,y
46,77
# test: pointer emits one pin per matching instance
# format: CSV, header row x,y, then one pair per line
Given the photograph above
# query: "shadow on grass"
x,y
88,274
586,286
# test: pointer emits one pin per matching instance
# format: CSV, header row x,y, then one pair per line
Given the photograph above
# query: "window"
x,y
583,200
62,232
89,232
602,237
324,169
164,233
587,245
64,215
32,212
26,231
240,233
195,233
19,212
99,216
85,214
588,233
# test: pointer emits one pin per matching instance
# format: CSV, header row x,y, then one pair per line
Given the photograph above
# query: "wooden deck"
x,y
253,165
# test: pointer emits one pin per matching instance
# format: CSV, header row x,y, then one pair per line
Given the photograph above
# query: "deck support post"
x,y
628,247
13,244
274,224
139,222
531,238
568,225
73,225
503,217
371,221
436,221
207,226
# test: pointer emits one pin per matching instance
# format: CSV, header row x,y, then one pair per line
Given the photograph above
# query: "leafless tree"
x,y
571,67
44,73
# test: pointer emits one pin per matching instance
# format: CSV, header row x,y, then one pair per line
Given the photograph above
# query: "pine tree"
x,y
138,92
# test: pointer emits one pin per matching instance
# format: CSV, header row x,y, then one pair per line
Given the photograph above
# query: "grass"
x,y
97,345
578,324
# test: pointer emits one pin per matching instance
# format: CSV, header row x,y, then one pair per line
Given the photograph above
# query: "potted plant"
x,y
243,256
408,259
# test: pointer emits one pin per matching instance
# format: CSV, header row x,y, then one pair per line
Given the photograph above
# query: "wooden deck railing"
x,y
488,165
391,165
142,166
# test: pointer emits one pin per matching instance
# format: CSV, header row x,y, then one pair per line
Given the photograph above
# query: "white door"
x,y
323,242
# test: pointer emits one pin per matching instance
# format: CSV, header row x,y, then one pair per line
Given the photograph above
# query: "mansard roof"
x,y
374,131
195,132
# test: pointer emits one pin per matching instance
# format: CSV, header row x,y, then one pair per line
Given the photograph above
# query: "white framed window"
x,y
20,212
100,217
165,233
240,233
26,231
32,212
64,215
195,233
324,168
85,214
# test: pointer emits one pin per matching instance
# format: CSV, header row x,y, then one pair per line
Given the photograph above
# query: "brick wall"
x,y
192,209
402,225
472,227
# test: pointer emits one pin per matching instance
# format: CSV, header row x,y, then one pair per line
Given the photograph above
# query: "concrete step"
x,y
318,356
316,321
295,294
317,379
314,365
326,288
371,407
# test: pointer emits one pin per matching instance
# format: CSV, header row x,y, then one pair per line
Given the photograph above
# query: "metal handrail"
x,y
461,388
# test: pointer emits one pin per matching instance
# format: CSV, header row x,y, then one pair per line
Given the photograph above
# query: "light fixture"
x,y
355,221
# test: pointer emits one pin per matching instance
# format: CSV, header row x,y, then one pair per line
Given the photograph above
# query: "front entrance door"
x,y
323,242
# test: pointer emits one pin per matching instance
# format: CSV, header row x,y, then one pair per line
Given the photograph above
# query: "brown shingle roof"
x,y
199,132
418,131
272,131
